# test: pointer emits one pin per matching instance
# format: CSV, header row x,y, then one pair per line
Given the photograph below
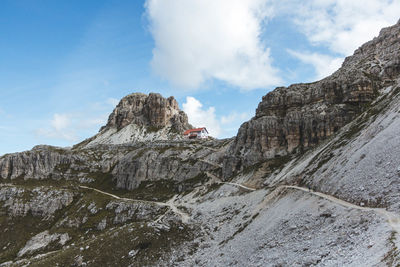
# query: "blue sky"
x,y
65,64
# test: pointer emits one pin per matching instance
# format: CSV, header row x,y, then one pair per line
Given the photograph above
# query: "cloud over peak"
x,y
343,25
200,40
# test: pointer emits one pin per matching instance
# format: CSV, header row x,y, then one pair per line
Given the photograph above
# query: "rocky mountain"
x,y
292,119
139,117
312,180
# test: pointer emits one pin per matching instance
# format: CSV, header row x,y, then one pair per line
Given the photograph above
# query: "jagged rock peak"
x,y
151,110
142,118
293,118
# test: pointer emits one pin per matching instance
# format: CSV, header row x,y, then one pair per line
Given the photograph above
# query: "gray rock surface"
x,y
41,241
331,198
40,201
139,117
300,116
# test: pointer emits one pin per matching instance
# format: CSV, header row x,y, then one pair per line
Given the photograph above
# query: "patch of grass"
x,y
192,182
16,231
278,162
153,129
30,183
148,245
160,190
102,180
391,258
163,190
62,167
324,160
252,168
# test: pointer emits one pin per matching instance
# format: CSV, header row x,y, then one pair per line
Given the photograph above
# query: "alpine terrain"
x,y
313,179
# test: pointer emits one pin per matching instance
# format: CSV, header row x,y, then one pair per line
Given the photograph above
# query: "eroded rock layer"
x,y
293,118
151,110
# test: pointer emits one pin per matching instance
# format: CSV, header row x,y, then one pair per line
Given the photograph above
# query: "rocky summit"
x,y
139,117
313,179
300,116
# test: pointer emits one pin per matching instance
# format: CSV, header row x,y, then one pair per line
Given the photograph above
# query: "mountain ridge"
x,y
139,117
311,179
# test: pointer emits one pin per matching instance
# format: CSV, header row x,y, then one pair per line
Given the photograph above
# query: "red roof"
x,y
194,130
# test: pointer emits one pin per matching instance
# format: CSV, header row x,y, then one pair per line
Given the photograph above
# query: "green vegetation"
x,y
153,129
16,231
32,183
252,168
392,256
62,167
278,162
137,244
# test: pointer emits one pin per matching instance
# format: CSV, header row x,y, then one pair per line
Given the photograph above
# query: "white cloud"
x,y
60,121
199,40
225,126
70,126
87,123
342,25
324,65
59,128
112,101
74,126
234,117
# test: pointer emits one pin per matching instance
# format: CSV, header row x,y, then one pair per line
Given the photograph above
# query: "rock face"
x,y
42,201
292,118
126,166
140,117
41,241
39,163
337,204
148,110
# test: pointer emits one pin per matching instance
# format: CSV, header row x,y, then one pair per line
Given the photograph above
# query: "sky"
x,y
64,65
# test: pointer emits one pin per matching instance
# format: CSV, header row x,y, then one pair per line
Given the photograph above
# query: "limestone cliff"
x,y
113,201
139,117
294,118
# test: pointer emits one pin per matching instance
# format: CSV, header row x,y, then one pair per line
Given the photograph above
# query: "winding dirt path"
x,y
392,218
218,180
170,203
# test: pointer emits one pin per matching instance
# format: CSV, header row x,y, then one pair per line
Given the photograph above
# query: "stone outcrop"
x,y
126,166
314,208
39,163
40,202
140,118
293,118
42,241
148,110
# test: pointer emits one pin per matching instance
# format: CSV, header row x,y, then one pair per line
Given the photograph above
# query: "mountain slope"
x,y
312,179
290,120
139,117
